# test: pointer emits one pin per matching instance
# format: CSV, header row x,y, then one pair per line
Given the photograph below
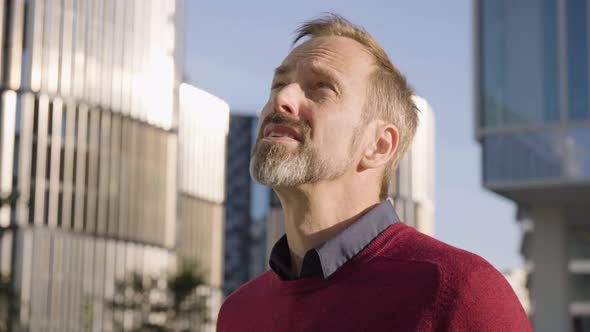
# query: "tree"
x,y
158,304
7,303
8,295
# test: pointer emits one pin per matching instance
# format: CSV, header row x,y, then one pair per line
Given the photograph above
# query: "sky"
x,y
231,49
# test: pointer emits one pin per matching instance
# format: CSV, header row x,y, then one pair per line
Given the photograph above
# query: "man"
x,y
339,118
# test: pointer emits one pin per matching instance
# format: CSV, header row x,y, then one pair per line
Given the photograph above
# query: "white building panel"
x,y
202,131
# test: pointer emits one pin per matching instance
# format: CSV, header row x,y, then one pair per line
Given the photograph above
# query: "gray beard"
x,y
273,165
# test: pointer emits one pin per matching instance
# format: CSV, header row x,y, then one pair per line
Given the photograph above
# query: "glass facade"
x,y
247,206
519,63
577,59
533,111
521,156
529,131
577,152
89,142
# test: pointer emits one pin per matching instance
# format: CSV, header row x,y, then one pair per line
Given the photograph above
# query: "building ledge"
x,y
579,266
580,308
526,192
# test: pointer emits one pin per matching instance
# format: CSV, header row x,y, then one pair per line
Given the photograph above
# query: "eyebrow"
x,y
314,68
282,70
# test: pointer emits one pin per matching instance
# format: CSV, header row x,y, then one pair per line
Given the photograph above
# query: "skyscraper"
x,y
246,208
89,145
532,120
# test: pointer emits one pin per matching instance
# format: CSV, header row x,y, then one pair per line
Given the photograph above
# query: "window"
x,y
518,62
580,287
577,59
577,153
522,156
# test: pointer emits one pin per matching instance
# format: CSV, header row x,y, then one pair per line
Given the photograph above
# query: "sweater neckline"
x,y
329,256
372,250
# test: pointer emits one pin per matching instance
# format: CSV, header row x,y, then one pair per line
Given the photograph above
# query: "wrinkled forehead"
x,y
341,54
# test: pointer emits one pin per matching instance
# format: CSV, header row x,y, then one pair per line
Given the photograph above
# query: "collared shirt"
x,y
328,257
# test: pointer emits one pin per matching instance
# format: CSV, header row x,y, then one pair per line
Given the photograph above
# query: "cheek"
x,y
263,114
337,138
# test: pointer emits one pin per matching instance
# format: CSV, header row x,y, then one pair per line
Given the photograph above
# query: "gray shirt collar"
x,y
329,256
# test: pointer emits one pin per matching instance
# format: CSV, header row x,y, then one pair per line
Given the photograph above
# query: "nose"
x,y
287,100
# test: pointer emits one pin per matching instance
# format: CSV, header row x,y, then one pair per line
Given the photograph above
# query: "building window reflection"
x,y
577,152
522,156
519,63
577,59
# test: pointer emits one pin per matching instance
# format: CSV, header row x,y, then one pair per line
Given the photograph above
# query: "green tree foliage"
x,y
8,295
157,304
7,303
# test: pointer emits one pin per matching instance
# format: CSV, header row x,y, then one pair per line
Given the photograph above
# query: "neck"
x,y
314,213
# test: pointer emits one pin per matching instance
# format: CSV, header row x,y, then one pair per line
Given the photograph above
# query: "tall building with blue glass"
x,y
246,208
532,118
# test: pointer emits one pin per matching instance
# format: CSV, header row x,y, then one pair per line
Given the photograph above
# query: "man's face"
x,y
310,126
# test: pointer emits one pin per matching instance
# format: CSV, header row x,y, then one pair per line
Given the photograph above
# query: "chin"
x,y
277,174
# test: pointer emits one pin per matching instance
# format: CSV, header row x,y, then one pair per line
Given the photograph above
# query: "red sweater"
x,y
402,281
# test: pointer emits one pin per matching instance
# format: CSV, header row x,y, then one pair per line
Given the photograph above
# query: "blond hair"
x,y
389,97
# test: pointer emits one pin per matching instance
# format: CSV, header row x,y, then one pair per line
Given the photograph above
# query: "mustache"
x,y
280,119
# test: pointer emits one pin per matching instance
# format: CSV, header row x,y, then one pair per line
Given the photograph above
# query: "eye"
x,y
323,85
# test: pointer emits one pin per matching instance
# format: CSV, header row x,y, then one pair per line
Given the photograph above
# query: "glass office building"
x,y
89,145
246,207
532,118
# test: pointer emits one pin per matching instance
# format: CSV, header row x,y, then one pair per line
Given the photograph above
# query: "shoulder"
x,y
411,245
472,294
237,303
250,290
457,268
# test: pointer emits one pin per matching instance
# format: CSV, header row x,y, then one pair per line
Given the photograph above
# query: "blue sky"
x,y
231,49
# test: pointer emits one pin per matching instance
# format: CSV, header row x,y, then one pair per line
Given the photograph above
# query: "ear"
x,y
382,147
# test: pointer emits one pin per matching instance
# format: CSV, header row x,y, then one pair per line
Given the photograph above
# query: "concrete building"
x,y
532,120
412,186
89,142
246,208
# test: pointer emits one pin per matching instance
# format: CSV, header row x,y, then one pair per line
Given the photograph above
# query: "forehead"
x,y
341,54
